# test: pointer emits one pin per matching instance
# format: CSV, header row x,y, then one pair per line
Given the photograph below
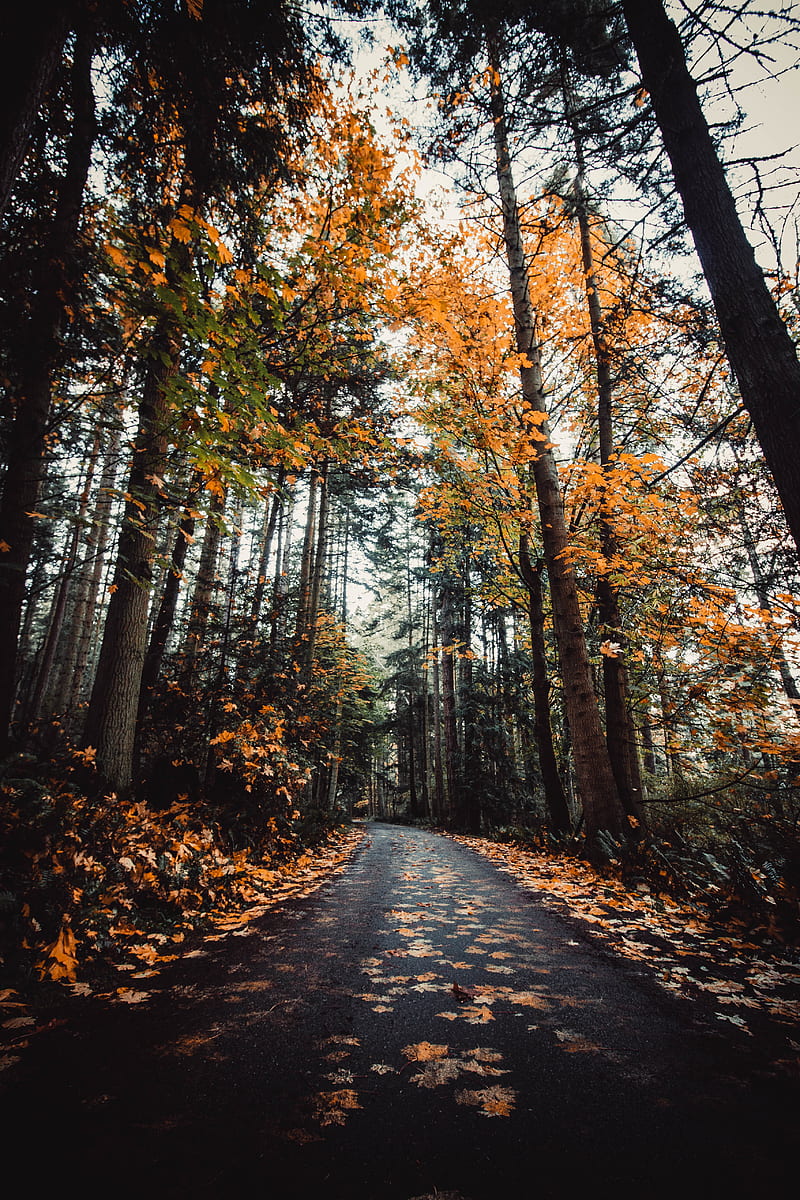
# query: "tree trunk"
x,y
759,348
113,708
599,795
450,734
620,732
72,683
345,567
282,560
273,508
762,592
165,617
440,799
25,450
335,757
307,560
318,569
425,713
45,681
554,797
471,786
204,585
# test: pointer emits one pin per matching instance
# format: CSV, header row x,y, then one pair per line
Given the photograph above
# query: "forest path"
x,y
325,1054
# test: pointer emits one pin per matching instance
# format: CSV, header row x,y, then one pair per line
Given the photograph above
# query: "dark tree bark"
x,y
762,592
554,797
40,352
113,708
53,644
761,352
282,561
72,685
307,560
273,507
449,727
204,585
165,617
620,731
599,795
472,771
440,799
318,569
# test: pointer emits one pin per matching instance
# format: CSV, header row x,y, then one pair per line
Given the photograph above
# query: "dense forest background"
x,y
329,491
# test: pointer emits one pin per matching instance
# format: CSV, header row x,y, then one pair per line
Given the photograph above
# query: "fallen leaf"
x,y
494,1101
576,1043
435,1074
130,996
330,1108
424,1051
60,960
301,1136
485,1054
478,1015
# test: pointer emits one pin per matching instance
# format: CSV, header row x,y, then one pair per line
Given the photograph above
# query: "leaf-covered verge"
x,y
728,852
703,946
93,885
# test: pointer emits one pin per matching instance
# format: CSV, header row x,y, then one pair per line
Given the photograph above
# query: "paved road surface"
x,y
326,1055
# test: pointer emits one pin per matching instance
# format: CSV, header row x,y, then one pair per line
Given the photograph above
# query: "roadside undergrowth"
x,y
90,886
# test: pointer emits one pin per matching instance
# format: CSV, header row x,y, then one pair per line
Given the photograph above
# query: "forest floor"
x,y
423,1024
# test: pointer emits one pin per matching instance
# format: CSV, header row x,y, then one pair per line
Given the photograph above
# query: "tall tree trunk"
x,y
318,569
335,757
307,559
620,731
554,796
471,788
45,680
272,509
599,795
411,689
425,714
282,561
761,352
762,592
204,584
345,566
25,451
165,617
230,592
114,704
448,680
72,683
440,802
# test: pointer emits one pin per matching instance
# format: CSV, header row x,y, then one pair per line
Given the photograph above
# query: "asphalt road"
x,y
326,1054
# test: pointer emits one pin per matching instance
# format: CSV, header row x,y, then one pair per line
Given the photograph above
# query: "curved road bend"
x,y
327,1055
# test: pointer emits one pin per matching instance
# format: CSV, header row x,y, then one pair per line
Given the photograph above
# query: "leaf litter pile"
x,y
230,892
